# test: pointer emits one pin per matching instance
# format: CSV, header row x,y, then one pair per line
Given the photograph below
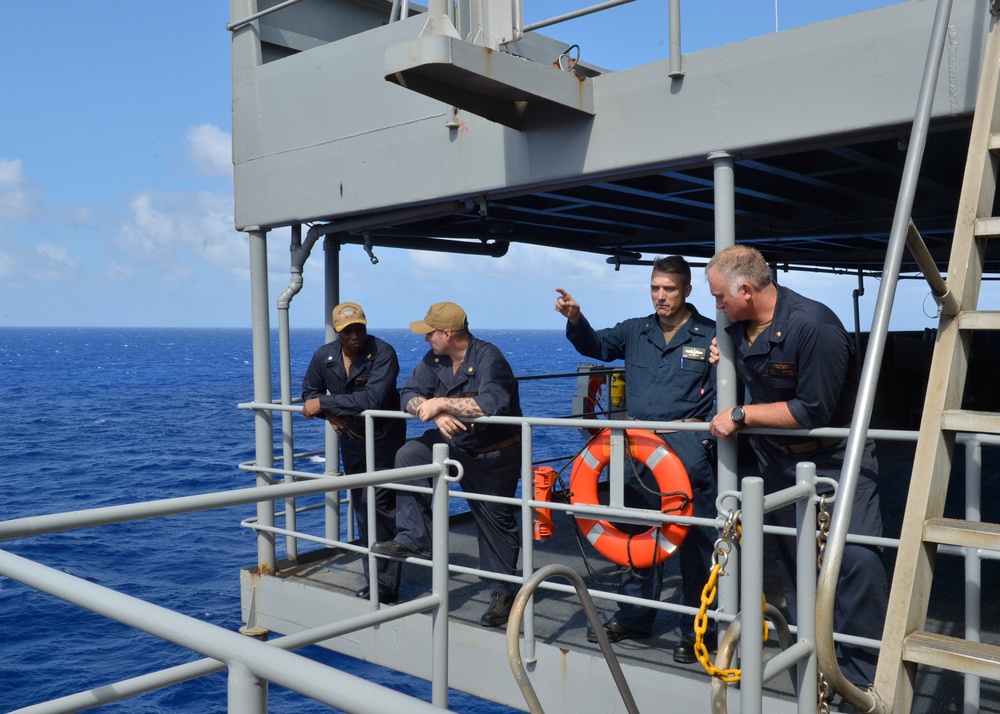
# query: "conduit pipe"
x,y
300,253
496,249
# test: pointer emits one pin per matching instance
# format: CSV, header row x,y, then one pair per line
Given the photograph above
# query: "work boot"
x,y
498,612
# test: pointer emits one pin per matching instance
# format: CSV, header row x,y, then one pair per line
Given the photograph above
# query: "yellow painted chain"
x,y
723,546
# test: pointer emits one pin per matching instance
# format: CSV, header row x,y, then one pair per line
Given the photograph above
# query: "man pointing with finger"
x,y
667,378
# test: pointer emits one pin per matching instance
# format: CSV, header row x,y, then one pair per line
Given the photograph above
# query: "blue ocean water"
x,y
104,416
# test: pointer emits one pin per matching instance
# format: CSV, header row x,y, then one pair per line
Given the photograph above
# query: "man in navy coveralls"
x,y
463,377
798,365
355,372
667,378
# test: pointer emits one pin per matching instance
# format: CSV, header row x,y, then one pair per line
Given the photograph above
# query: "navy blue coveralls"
x,y
665,383
489,454
370,385
806,358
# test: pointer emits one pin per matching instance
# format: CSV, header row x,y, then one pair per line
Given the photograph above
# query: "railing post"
x,y
805,586
973,564
616,470
247,692
725,236
439,579
751,606
676,70
331,264
263,430
527,536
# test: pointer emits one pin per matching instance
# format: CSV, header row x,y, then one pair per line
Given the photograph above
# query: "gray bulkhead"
x,y
320,134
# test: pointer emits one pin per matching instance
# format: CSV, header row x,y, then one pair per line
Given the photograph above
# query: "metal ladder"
x,y
905,643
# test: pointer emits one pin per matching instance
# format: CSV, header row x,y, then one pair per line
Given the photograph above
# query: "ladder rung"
x,y
953,654
963,534
987,227
994,142
979,320
970,421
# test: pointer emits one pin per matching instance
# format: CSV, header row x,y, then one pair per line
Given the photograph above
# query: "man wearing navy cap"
x,y
355,372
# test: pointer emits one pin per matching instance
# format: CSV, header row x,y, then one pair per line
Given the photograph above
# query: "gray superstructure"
x,y
816,120
454,129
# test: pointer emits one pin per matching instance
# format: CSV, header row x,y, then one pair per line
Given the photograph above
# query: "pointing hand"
x,y
567,306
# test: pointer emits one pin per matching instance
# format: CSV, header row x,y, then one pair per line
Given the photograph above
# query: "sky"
x,y
116,193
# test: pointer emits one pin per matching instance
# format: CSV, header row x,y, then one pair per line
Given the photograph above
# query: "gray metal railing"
x,y
400,10
250,662
248,673
587,602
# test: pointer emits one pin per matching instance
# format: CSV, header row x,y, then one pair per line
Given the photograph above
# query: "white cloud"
x,y
118,271
82,217
57,264
17,199
433,262
54,253
210,149
166,231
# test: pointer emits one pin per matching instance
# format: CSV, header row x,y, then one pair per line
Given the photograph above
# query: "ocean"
x,y
96,417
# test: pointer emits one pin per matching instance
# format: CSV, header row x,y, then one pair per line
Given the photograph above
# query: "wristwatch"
x,y
739,416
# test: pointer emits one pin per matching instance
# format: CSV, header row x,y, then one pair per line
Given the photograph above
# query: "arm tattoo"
x,y
413,404
465,407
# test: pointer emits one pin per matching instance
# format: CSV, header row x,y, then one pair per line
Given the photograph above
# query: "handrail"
x,y
830,571
514,628
729,644
301,674
257,15
574,14
247,659
528,503
113,514
939,288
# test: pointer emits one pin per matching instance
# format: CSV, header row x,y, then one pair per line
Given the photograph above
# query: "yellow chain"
x,y
722,548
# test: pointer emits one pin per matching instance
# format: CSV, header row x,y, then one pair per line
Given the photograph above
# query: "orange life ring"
x,y
595,388
640,550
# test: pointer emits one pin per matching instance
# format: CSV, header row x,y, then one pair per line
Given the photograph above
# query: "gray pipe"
x,y
676,70
514,628
725,374
833,557
263,424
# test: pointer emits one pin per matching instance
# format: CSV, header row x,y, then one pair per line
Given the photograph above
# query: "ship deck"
x,y
569,674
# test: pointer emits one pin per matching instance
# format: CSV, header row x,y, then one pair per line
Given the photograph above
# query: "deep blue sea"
x,y
104,416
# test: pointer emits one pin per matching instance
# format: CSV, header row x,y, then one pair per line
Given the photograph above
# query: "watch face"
x,y
738,415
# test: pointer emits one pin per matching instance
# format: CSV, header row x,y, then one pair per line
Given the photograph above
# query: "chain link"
x,y
823,523
823,533
730,532
823,695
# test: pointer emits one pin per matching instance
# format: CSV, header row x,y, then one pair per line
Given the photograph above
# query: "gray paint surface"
x,y
321,135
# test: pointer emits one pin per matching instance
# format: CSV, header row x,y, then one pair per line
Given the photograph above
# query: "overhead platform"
x,y
816,120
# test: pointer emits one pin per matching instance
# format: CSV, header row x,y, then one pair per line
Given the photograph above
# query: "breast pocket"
x,y
641,374
783,376
690,375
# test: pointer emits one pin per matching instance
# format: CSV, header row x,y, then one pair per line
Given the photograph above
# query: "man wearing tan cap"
x,y
355,372
462,378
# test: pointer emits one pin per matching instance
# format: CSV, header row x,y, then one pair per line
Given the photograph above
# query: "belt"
x,y
386,428
497,446
674,431
805,446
